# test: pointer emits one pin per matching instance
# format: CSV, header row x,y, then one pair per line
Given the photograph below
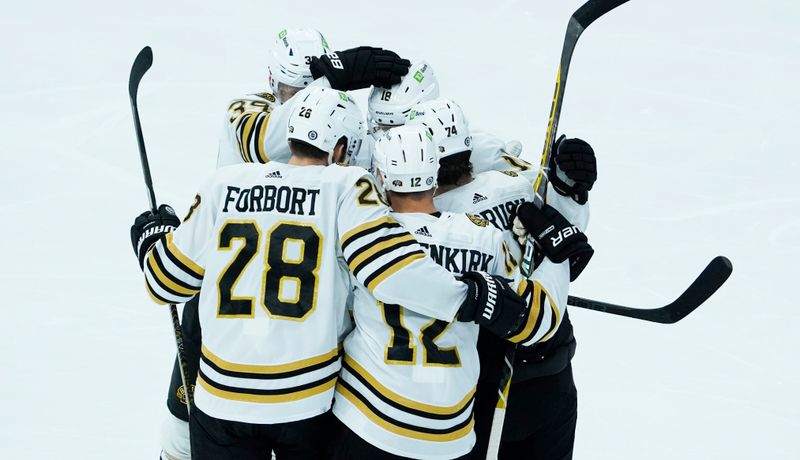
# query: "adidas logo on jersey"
x,y
423,231
274,175
477,198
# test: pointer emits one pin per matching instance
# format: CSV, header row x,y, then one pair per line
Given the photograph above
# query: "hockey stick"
x,y
578,22
142,63
712,278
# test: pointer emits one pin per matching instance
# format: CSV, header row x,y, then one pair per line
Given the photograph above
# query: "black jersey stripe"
x,y
389,268
374,242
179,283
345,389
272,395
154,295
356,268
180,260
388,399
271,375
261,135
367,229
162,284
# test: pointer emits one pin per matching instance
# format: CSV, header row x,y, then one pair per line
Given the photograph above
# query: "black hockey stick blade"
x,y
142,63
710,280
592,10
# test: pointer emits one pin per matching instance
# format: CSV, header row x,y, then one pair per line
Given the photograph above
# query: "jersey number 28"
x,y
288,281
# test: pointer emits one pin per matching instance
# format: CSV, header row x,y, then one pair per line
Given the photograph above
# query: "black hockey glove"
x,y
149,227
558,239
573,168
360,67
493,304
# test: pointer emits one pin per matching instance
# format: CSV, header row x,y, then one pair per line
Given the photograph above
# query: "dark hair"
x,y
454,167
304,149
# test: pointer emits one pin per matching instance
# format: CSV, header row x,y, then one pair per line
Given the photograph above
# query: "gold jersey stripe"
x,y
260,138
533,312
269,369
383,220
556,314
394,268
444,437
401,238
189,265
155,269
247,132
422,407
254,398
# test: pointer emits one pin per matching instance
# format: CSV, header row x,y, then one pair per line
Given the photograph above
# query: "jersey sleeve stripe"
x,y
556,313
402,403
247,135
366,229
458,431
392,267
181,260
535,314
369,246
170,282
378,250
261,129
154,273
269,372
156,298
281,395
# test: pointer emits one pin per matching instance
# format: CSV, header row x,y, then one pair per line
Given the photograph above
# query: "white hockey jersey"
x,y
488,154
269,248
408,380
493,195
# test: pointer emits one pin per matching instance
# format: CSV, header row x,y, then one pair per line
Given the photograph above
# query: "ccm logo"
x,y
565,233
335,61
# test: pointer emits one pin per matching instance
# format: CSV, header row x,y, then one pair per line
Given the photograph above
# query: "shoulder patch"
x,y
479,221
268,96
510,173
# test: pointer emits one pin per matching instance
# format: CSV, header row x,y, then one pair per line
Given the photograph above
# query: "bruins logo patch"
x,y
510,173
181,394
268,96
479,221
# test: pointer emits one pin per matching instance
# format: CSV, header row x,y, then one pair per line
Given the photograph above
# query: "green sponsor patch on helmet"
x,y
419,76
429,135
343,96
282,34
324,42
412,114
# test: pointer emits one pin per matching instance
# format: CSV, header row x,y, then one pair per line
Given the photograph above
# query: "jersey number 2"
x,y
288,281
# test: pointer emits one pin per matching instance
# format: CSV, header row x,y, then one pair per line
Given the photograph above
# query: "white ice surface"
x,y
691,107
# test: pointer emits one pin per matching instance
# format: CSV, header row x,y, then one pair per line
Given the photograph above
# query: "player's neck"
x,y
463,180
413,204
307,161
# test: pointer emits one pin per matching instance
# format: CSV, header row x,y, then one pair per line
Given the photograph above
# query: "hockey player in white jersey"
x,y
542,374
265,246
254,126
408,380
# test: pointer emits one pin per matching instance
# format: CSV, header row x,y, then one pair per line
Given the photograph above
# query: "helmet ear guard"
x,y
407,160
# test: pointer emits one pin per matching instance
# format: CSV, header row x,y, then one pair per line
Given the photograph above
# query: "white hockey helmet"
x,y
448,125
388,107
406,159
325,115
288,62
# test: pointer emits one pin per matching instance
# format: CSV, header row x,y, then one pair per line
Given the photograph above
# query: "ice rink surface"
x,y
691,107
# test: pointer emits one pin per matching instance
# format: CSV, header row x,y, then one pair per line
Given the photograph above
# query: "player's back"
x,y
493,195
408,380
273,295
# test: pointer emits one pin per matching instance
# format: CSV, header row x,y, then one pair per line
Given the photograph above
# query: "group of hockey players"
x,y
352,283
